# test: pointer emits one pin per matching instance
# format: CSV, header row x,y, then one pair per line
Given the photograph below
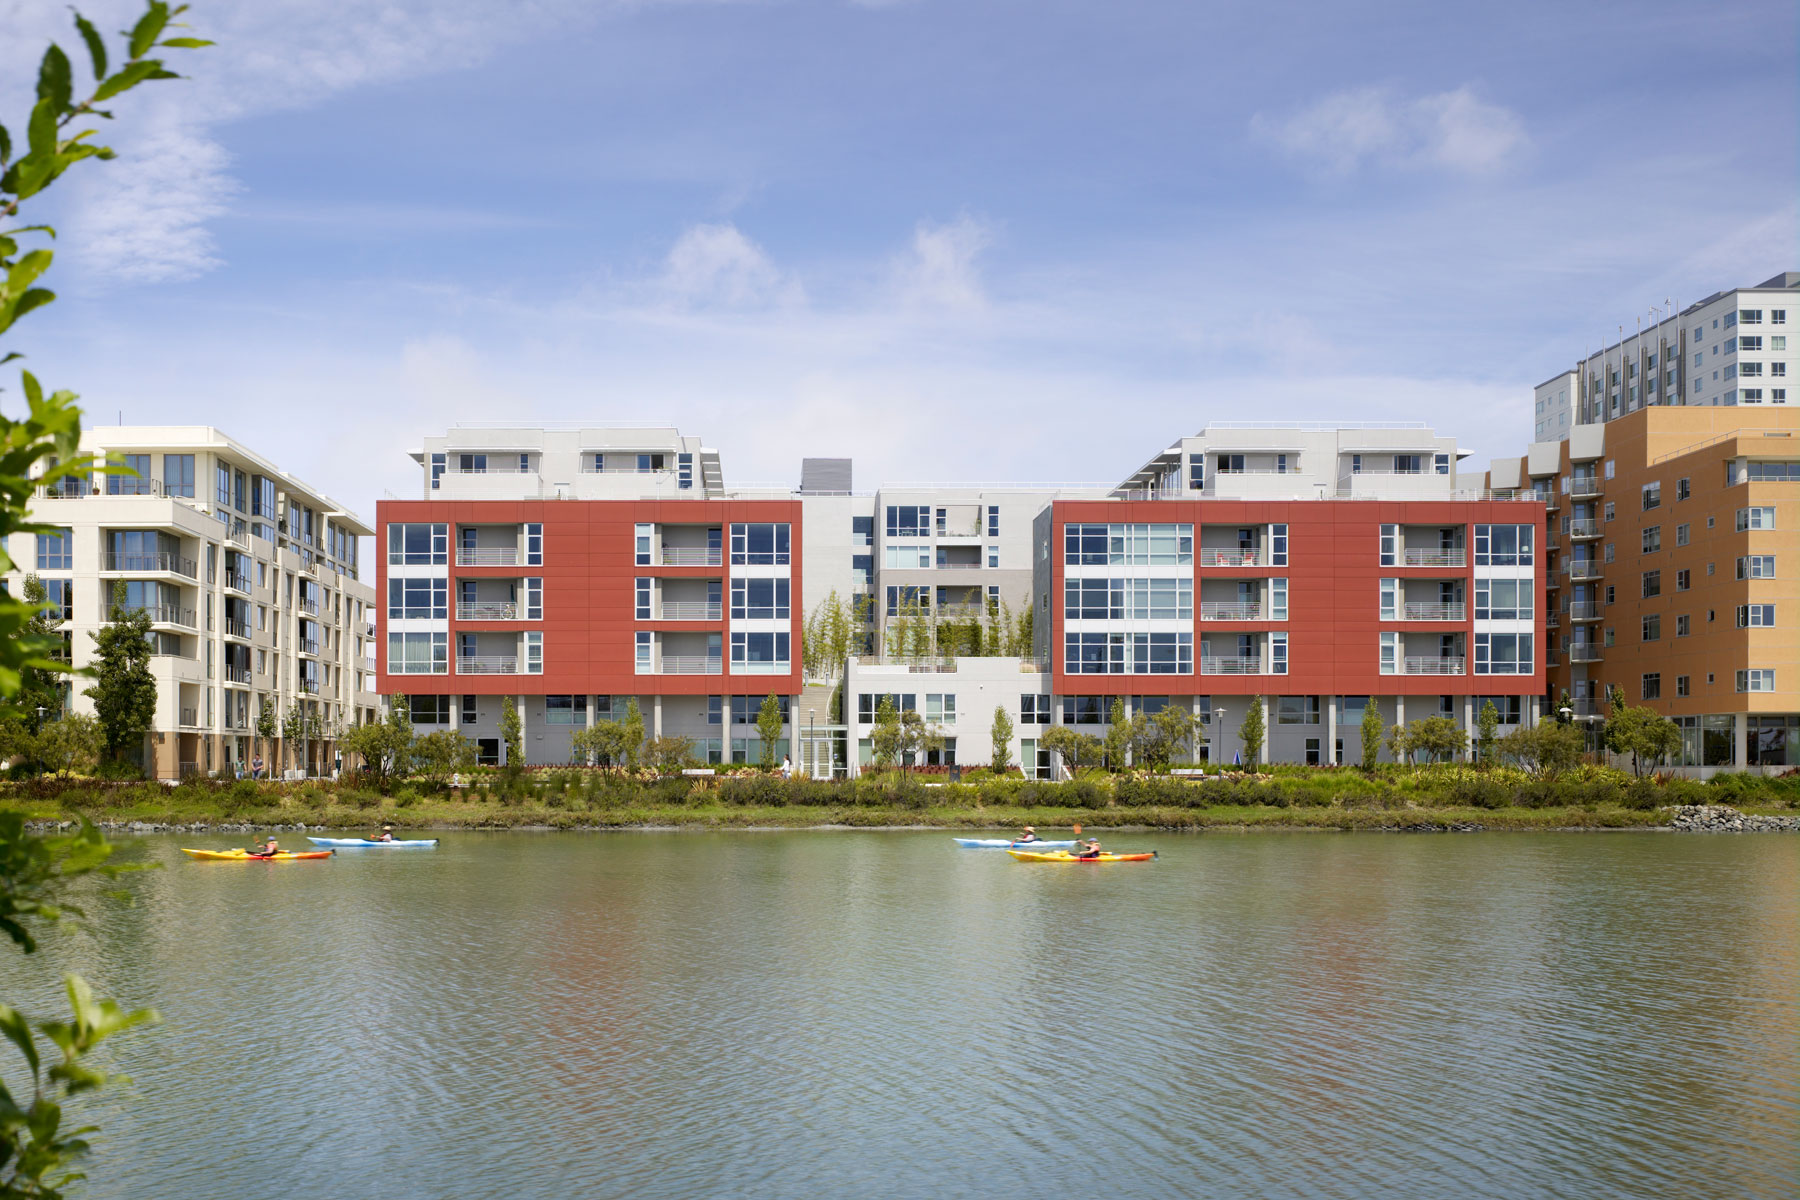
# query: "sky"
x,y
954,240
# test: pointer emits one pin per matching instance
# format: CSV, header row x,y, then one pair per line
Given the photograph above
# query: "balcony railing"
x,y
190,718
174,564
1221,611
1584,489
1584,652
1433,612
588,468
111,485
1552,619
690,610
691,556
167,614
1585,568
310,686
308,605
238,583
237,675
1584,610
1210,665
1434,558
307,646
1584,529
237,629
487,556
487,610
1584,706
1215,557
1433,665
691,664
487,664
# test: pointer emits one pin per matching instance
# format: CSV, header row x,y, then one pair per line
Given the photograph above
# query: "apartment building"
x,y
1728,350
1666,573
250,578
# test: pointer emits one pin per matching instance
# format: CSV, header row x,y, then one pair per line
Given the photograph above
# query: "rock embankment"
x,y
1721,818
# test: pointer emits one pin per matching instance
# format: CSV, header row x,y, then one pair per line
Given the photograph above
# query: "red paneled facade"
x,y
589,572
1334,575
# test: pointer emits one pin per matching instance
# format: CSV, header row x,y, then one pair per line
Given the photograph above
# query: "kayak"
x,y
1003,844
246,856
397,844
1066,857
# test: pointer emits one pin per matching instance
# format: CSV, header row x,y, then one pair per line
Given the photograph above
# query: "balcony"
x,y
692,664
1585,569
1434,558
487,556
173,564
488,664
237,675
235,628
307,646
691,556
1584,652
190,718
1230,666
1211,556
1585,708
237,583
498,610
114,485
1219,611
1584,610
1552,619
1432,612
1432,665
1584,530
168,614
588,468
309,606
1584,489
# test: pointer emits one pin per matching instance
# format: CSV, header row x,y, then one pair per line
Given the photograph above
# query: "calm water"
x,y
880,1014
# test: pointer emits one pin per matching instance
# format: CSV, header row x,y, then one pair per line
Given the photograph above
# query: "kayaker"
x,y
269,849
1089,849
386,834
1029,835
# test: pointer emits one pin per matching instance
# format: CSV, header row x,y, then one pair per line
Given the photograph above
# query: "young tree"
x,y
41,691
1643,733
1543,750
443,754
1371,733
1564,705
1002,733
1077,750
886,738
1487,724
603,742
1250,732
74,743
1399,744
512,733
1437,738
1118,735
124,690
293,737
669,755
768,728
631,734
265,725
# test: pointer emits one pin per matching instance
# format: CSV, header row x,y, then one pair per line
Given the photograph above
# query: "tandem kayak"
x,y
246,856
370,843
1004,844
1065,856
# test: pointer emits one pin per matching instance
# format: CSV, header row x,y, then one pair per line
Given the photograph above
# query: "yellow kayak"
x,y
245,855
1064,856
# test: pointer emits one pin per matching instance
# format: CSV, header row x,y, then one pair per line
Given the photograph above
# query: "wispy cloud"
x,y
1344,132
939,272
716,265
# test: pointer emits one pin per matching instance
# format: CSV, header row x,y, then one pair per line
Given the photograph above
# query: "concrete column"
x,y
1740,740
1399,714
1469,722
656,716
1331,730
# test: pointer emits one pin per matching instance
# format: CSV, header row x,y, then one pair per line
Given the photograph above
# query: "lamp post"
x,y
1218,732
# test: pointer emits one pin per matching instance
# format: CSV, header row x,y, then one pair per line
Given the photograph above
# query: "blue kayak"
x,y
1004,844
410,844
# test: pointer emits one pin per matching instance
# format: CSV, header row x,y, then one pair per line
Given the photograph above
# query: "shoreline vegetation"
x,y
1424,799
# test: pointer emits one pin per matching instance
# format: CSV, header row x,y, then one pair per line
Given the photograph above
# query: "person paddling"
x,y
386,834
269,849
1028,836
1089,849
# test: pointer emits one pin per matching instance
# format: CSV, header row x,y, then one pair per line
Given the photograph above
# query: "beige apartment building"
x,y
250,578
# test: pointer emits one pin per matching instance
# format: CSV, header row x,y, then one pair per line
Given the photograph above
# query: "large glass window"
x,y
908,521
1128,599
1756,518
1756,566
56,551
418,544
1503,599
138,483
904,597
418,599
760,544
760,649
907,557
1503,545
418,653
1128,653
178,475
759,599
1128,545
1503,654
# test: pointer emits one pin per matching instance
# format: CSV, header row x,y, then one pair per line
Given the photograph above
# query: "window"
x,y
907,557
746,709
1297,710
1229,464
59,597
222,485
1778,316
908,521
1681,535
1278,598
1611,511
1128,545
759,599
437,470
1682,578
1390,653
428,710
1390,545
534,545
993,521
1681,626
642,590
767,651
1755,616
1503,654
565,710
418,599
1503,545
1756,680
868,705
1748,316
1128,653
644,535
1084,710
1756,566
1651,540
56,551
1278,654
940,707
1772,472
646,649
1650,686
761,544
1197,473
1034,709
1652,628
1509,709
534,599
1390,599
178,475
1503,599
1441,463
1607,551
471,709
1652,496
418,545
1652,584
418,653
1128,599
1278,545
907,597
1756,518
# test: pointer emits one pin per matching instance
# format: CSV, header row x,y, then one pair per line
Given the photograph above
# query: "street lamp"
x,y
1218,719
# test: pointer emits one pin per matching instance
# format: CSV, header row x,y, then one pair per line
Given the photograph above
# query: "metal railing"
x,y
237,675
237,629
113,485
1584,489
1584,610
691,556
1221,611
1433,611
588,468
190,718
307,646
487,664
1210,665
309,606
167,614
238,583
1435,558
1429,665
1584,528
174,564
487,556
486,610
1211,556
959,531
1552,620
1584,652
1584,706
1585,568
690,610
512,468
691,664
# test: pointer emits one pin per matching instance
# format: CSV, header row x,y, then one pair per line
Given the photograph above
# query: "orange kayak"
x,y
246,856
1061,856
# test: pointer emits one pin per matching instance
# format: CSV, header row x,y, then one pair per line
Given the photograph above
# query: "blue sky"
x,y
953,240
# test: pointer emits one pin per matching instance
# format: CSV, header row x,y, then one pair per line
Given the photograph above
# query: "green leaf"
x,y
41,132
96,46
127,79
15,1029
185,43
5,144
149,28
54,82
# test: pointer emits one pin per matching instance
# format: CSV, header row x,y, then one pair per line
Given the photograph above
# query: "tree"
x,y
512,732
768,728
631,734
441,755
1564,705
669,755
41,691
1399,744
74,743
124,690
1250,732
603,742
1075,749
1118,735
1544,749
265,724
1643,733
1002,733
886,739
1487,723
1437,737
385,747
1371,733
293,735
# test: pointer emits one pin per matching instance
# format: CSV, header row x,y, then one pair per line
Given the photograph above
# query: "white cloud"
x,y
716,265
940,272
144,220
1450,131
